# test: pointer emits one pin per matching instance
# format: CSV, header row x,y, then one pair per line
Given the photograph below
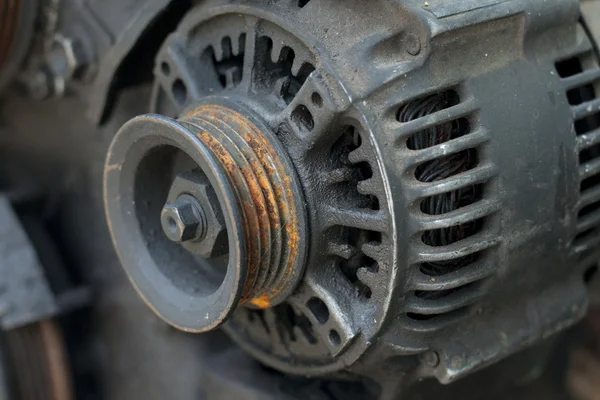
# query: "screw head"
x,y
214,241
183,220
431,358
413,44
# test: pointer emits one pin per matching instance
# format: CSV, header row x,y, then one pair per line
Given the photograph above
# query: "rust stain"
x,y
261,191
262,301
265,195
252,244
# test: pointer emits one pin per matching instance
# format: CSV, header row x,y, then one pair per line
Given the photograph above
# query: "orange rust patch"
x,y
265,195
250,220
262,301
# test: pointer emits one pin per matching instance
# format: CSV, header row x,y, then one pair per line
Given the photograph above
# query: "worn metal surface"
x,y
214,242
393,289
229,373
257,197
243,60
273,208
392,261
442,9
25,296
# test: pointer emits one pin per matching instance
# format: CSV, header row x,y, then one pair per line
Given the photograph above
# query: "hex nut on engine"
x,y
214,241
183,220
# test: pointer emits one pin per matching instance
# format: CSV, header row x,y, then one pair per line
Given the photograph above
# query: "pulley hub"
x,y
205,211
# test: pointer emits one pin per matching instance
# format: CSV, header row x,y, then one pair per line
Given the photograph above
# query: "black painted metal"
x,y
384,266
191,284
244,58
389,114
183,220
184,291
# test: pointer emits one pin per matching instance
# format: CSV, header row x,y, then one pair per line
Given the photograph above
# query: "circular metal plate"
x,y
182,289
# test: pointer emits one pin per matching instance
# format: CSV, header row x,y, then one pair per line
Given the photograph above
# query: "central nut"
x,y
194,184
183,220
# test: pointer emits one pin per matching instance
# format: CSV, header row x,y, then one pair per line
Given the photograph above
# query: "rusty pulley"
x,y
206,211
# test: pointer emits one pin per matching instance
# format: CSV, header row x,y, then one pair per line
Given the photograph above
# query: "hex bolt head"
x,y
431,359
183,220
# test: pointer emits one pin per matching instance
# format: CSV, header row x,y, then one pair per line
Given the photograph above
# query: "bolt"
x,y
66,60
67,57
431,358
214,241
183,220
413,44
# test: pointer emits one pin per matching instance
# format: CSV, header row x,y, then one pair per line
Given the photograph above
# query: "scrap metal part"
x,y
383,224
210,149
425,250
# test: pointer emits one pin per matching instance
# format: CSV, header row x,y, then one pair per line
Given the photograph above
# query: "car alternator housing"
x,y
408,188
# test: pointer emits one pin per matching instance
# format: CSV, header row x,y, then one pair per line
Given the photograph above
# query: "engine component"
x,y
232,193
410,189
64,61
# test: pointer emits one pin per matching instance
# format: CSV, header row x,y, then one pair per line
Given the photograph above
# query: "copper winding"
x,y
264,194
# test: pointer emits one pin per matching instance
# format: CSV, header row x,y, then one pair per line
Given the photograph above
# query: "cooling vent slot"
x,y
581,76
275,69
227,60
346,177
290,323
229,65
452,242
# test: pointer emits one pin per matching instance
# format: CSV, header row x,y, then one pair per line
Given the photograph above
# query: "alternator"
x,y
409,186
